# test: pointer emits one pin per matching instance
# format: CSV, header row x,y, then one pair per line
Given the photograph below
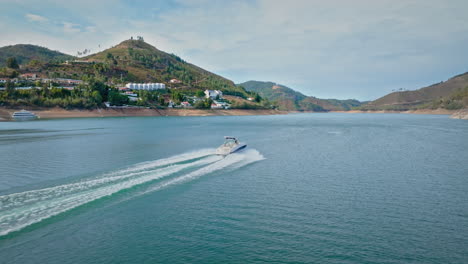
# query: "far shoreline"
x,y
56,113
453,114
439,111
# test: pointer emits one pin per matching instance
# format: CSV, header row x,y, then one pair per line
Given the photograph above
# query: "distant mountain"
x,y
289,99
441,94
24,53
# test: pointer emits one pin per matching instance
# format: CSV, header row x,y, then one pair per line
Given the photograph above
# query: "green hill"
x,y
289,99
437,95
24,53
138,61
456,100
129,61
285,98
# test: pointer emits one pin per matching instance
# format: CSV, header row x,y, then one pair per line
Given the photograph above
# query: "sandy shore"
x,y
419,112
455,114
5,113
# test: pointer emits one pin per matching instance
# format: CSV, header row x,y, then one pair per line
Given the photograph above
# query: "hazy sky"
x,y
329,49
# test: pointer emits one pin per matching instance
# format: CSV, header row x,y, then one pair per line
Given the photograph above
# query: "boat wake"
x,y
19,210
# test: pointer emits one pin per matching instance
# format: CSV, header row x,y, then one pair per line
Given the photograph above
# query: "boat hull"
x,y
226,151
24,118
24,115
239,148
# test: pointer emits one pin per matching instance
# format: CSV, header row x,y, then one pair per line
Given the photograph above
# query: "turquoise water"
x,y
323,188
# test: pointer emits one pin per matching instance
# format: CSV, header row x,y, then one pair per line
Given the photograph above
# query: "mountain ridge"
x,y
24,53
290,99
442,94
134,60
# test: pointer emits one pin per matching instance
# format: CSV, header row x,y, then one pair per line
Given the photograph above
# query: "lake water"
x,y
323,188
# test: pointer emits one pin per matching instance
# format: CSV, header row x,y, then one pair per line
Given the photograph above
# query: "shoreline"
x,y
418,112
55,113
453,114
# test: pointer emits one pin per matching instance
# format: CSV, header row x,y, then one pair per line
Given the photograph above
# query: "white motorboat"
x,y
24,115
231,145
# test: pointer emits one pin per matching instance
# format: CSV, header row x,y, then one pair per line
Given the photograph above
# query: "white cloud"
x,y
90,29
333,48
35,18
71,27
330,49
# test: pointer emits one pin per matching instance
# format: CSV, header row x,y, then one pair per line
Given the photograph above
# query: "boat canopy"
x,y
227,137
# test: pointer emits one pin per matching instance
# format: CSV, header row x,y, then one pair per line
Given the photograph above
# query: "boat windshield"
x,y
230,143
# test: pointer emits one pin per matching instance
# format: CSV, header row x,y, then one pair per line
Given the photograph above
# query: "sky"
x,y
361,49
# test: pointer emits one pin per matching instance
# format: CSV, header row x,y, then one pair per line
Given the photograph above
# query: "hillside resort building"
x,y
213,94
145,86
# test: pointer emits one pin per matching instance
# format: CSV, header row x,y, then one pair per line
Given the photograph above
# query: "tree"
x,y
14,74
116,98
204,104
200,94
12,63
96,97
34,63
100,86
177,97
10,88
45,90
257,98
162,102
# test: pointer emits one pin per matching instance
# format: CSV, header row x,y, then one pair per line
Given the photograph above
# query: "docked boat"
x,y
24,115
231,145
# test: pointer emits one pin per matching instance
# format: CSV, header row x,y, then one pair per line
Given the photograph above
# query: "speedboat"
x,y
23,115
231,145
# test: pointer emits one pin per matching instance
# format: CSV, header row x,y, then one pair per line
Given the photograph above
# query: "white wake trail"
x,y
19,210
23,209
167,161
233,161
16,199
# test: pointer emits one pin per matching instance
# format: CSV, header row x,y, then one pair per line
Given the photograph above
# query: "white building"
x,y
185,104
194,99
29,76
145,86
220,105
213,94
67,81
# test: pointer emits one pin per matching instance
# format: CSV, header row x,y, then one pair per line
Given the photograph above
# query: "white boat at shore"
x,y
24,115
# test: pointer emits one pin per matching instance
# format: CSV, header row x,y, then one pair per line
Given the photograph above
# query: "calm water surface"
x,y
324,188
